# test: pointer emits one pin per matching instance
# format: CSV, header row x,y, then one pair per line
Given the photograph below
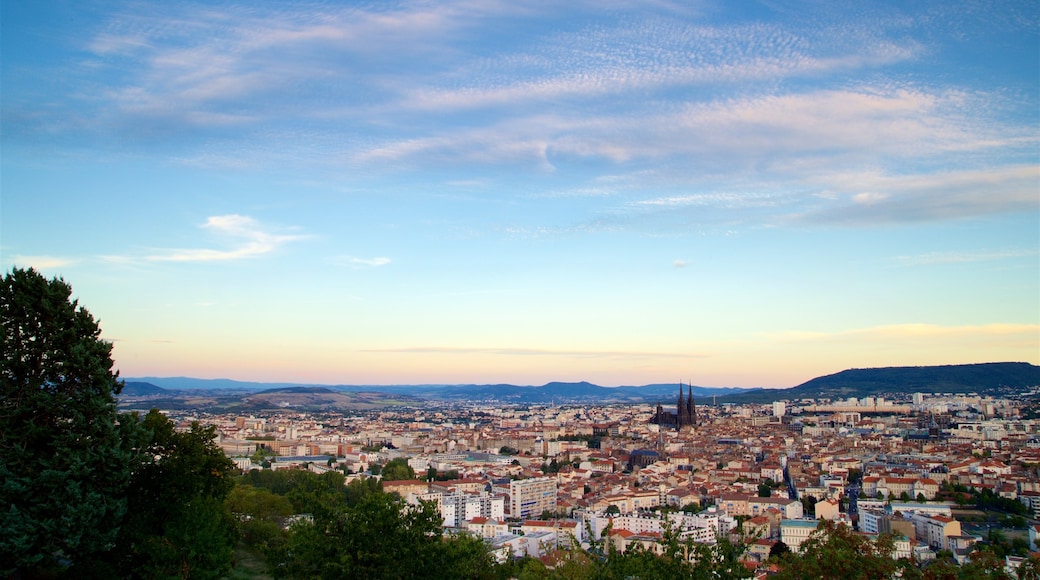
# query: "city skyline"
x,y
481,192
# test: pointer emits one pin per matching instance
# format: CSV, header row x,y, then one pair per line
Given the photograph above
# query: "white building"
x,y
528,498
459,508
795,532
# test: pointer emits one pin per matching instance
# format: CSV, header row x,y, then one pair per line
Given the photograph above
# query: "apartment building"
x,y
529,498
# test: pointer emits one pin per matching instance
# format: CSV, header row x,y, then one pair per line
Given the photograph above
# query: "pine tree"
x,y
63,466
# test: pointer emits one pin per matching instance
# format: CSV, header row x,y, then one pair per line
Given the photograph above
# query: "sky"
x,y
730,194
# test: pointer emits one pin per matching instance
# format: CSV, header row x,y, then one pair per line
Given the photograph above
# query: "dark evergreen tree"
x,y
63,465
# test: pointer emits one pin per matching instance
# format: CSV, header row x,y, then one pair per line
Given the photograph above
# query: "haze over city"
x,y
728,194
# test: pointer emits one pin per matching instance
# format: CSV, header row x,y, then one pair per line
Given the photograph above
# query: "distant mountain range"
x,y
548,393
983,378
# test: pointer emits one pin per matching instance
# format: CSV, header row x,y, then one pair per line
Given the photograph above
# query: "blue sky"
x,y
726,193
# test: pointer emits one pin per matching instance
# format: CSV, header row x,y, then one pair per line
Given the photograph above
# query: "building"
x,y
460,507
795,532
827,509
685,412
405,487
529,498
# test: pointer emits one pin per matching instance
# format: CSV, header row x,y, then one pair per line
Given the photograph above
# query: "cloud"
x,y
251,240
964,257
362,262
916,331
507,351
865,198
680,263
42,262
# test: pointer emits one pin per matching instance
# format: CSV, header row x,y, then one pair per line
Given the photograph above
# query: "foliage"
x,y
1030,569
836,551
778,549
397,470
64,462
178,524
90,492
380,537
261,515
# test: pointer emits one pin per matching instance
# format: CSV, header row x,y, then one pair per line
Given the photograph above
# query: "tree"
x,y
177,522
983,565
764,490
691,508
1030,569
380,537
836,551
779,549
260,515
64,464
397,470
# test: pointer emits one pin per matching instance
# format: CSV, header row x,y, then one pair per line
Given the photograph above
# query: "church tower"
x,y
680,408
693,409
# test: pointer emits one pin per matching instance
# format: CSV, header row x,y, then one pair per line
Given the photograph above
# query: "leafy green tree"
x,y
722,561
64,461
835,551
178,524
397,470
361,488
380,537
778,549
260,515
691,508
943,567
764,490
1030,569
983,565
530,569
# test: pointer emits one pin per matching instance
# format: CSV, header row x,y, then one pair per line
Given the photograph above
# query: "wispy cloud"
x,y
42,262
249,239
508,351
915,331
865,198
933,258
356,262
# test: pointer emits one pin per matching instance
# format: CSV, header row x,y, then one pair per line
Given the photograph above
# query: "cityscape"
x,y
532,479
500,290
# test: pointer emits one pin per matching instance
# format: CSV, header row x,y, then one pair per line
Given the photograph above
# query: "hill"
x,y
582,392
990,379
141,389
322,399
984,378
558,392
297,390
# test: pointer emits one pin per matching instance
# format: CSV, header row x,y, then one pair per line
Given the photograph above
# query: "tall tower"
x,y
680,414
693,409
